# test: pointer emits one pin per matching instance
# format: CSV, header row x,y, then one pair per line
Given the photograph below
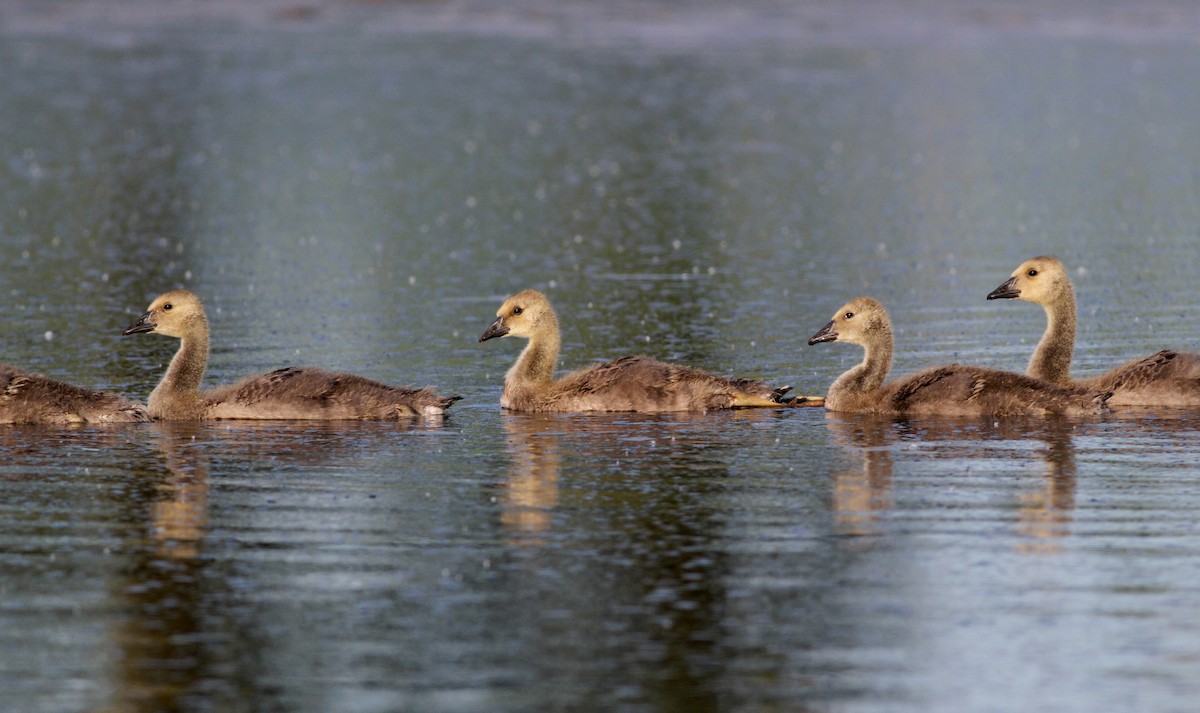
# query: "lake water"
x,y
358,186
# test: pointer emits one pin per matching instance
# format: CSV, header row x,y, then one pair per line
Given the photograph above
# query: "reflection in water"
x,y
1044,512
860,495
159,635
176,634
180,517
531,489
642,493
1044,508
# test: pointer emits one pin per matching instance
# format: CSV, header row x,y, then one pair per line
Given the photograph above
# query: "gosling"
x,y
32,398
952,390
633,383
288,393
1168,378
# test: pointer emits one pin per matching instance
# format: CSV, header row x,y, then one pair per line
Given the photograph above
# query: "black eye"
x,y
517,310
1032,272
848,315
167,307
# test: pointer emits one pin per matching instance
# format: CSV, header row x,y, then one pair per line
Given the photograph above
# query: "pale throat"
x,y
870,374
1051,360
186,371
877,361
535,366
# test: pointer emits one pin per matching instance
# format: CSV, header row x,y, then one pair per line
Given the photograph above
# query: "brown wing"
x,y
307,393
1168,378
959,390
32,398
639,383
919,387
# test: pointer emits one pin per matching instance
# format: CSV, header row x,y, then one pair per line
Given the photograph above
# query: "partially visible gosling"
x,y
32,398
634,383
952,390
288,393
1168,378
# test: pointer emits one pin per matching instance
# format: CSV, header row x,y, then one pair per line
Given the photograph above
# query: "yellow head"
x,y
859,321
523,315
1040,280
176,314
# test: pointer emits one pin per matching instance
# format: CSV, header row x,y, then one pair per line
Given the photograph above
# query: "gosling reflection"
x,y
648,496
530,491
861,495
159,638
1046,513
179,519
173,597
1044,506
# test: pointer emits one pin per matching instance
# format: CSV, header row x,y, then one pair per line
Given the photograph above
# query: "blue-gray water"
x,y
358,186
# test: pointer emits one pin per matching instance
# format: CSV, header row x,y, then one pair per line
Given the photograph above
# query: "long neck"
x,y
870,374
1052,359
181,383
535,366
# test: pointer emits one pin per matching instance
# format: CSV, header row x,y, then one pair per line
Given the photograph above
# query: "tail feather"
x,y
435,404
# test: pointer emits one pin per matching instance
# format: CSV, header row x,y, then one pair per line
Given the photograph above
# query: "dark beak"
x,y
1005,291
827,334
496,329
143,324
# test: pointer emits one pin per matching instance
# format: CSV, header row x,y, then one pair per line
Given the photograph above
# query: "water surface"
x,y
354,195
